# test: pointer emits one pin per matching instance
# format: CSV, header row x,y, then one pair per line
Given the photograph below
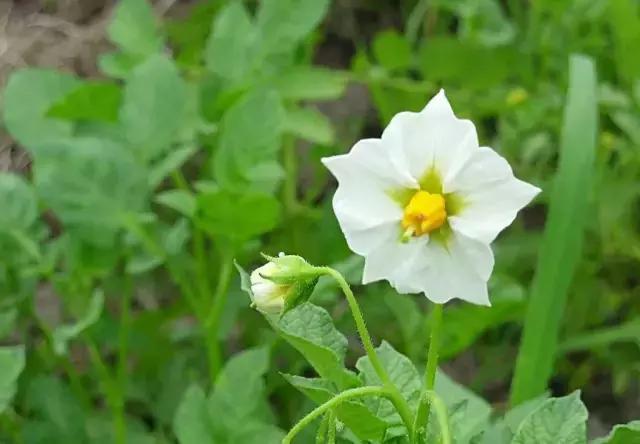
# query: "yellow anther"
x,y
424,213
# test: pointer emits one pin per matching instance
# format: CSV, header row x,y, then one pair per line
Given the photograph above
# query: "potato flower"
x,y
423,203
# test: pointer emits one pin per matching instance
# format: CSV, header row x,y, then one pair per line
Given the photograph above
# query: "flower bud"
x,y
282,283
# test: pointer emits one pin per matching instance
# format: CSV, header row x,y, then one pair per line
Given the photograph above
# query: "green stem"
x,y
322,430
424,410
398,400
331,433
110,389
212,323
123,347
332,403
430,397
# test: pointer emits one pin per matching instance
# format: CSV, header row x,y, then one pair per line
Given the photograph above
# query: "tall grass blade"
x,y
562,242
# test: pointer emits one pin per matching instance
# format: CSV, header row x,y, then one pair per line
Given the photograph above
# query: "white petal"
x,y
491,193
393,261
460,271
432,138
363,205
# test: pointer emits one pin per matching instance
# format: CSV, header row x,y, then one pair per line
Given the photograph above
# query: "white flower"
x,y
423,203
267,296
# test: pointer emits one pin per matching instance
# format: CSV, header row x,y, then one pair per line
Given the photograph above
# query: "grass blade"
x,y
561,247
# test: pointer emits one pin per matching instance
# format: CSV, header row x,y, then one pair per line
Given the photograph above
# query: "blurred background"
x,y
504,64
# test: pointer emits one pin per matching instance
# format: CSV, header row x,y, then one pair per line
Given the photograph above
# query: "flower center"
x,y
424,213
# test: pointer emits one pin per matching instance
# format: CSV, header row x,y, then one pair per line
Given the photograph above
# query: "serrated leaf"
x,y
310,330
134,28
12,361
230,47
153,107
250,137
282,24
91,184
402,373
27,98
354,414
310,83
237,216
622,434
310,124
556,421
89,101
64,333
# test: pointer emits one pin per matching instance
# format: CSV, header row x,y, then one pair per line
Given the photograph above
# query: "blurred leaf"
x,y
392,51
89,101
230,48
282,24
310,124
60,418
172,162
249,141
182,201
604,337
64,333
153,107
556,421
117,64
402,373
562,243
310,83
622,434
91,185
12,361
191,423
18,203
27,98
624,16
236,216
355,415
134,28
310,330
8,318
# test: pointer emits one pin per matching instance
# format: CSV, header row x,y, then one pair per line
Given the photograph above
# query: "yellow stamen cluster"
x,y
424,213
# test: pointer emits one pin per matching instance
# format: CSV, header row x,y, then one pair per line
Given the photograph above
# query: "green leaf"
x,y
237,216
184,202
310,330
310,124
250,137
172,162
562,244
282,24
91,185
477,410
402,373
604,337
622,434
134,28
392,50
556,421
11,364
18,203
153,107
117,64
27,98
355,415
191,423
310,83
230,47
89,101
64,333
8,317
624,16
